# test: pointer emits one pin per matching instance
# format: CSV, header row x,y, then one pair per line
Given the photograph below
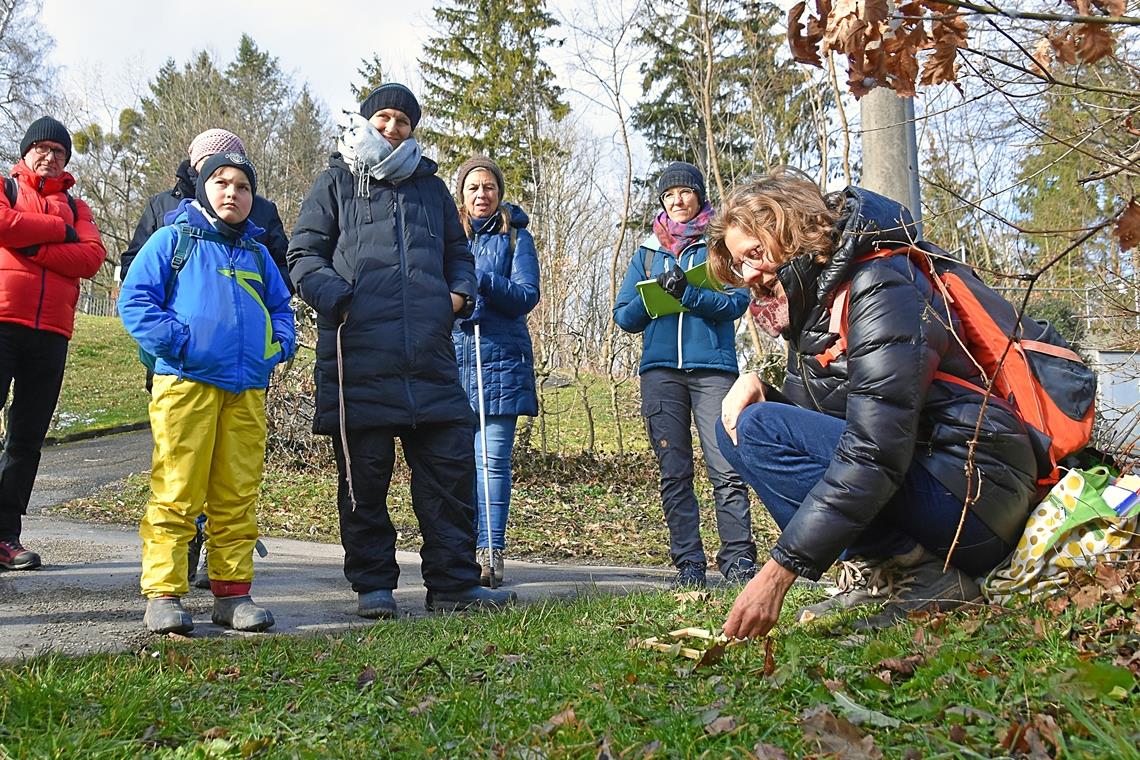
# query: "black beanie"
x,y
392,95
478,162
46,128
681,174
213,163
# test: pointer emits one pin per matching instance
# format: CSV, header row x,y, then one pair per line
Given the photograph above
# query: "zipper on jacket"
x,y
807,385
399,216
235,286
43,292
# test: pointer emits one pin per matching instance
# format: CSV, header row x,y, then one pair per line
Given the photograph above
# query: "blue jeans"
x,y
783,451
671,399
500,445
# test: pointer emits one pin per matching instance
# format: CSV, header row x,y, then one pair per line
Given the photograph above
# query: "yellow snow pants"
x,y
209,453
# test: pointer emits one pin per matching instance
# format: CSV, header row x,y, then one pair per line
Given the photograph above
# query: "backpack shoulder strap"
x,y
11,190
647,261
73,205
182,250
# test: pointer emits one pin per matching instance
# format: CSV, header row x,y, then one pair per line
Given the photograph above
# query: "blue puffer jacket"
x,y
701,338
390,261
508,291
228,320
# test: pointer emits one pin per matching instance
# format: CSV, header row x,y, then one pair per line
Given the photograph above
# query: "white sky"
x,y
119,44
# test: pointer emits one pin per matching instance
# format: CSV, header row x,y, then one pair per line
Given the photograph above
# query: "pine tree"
x,y
487,89
716,96
371,72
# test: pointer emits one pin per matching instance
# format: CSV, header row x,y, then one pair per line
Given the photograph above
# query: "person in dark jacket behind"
x,y
48,242
688,363
379,254
868,461
506,264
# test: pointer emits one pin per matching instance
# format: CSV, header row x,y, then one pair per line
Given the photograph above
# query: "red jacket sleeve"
x,y
19,229
79,259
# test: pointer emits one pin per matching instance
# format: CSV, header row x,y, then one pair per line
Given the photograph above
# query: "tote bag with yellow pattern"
x,y
1073,528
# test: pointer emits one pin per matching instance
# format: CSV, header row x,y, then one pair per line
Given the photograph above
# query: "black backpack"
x,y
12,191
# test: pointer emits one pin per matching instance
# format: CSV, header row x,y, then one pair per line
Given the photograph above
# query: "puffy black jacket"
x,y
390,261
900,333
264,214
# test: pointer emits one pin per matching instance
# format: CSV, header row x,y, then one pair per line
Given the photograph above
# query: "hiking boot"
x,y
689,575
241,614
202,574
475,597
490,566
164,614
858,581
13,556
741,571
376,604
926,587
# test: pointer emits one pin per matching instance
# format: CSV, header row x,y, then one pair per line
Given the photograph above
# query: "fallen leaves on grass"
x,y
366,678
556,721
837,735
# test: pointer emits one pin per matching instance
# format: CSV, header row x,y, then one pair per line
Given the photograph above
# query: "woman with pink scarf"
x,y
688,364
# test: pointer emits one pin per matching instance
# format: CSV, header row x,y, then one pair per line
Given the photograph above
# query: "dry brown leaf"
x,y
711,656
722,725
834,684
1127,229
1087,597
1065,46
1094,42
423,706
366,677
1080,6
1043,57
769,656
1110,7
768,752
905,666
837,735
845,31
564,718
804,42
217,732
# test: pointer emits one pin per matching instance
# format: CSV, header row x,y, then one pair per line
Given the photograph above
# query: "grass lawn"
x,y
103,382
567,680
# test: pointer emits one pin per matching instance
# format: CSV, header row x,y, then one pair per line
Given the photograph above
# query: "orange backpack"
x,y
1024,361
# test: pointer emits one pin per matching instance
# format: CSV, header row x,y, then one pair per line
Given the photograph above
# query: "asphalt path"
x,y
86,596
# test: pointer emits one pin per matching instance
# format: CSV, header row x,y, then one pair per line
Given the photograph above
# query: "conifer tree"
x,y
487,89
716,95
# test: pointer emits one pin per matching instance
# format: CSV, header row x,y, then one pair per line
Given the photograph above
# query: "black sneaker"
x,y
741,571
475,597
13,556
689,575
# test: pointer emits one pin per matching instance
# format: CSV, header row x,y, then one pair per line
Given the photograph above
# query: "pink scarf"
x,y
770,313
677,236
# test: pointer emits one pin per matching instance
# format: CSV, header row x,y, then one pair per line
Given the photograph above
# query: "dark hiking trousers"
x,y
442,465
31,367
671,400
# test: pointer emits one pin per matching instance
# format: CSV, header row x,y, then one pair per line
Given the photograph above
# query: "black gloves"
x,y
71,236
673,281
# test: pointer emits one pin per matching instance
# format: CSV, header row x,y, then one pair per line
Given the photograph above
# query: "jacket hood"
x,y
192,215
185,180
49,184
426,167
519,218
868,221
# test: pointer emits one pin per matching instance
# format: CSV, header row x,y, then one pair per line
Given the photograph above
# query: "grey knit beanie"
x,y
681,174
478,162
392,95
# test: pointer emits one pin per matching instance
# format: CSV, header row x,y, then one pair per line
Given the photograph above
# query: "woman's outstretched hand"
x,y
748,389
757,607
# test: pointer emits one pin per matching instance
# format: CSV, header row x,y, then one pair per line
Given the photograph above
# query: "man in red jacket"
x,y
48,241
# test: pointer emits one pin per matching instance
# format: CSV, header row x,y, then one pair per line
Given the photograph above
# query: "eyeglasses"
x,y
683,194
42,150
754,260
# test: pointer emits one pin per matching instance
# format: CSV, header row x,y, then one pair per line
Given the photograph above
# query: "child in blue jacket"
x,y
206,301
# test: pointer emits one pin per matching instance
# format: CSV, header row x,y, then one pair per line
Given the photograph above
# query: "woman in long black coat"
x,y
379,253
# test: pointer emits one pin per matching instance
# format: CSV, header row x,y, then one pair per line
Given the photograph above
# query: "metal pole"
x,y
890,149
483,440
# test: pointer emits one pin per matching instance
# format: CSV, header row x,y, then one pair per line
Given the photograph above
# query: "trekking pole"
x,y
483,440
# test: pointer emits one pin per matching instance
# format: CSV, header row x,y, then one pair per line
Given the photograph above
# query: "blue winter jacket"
x,y
508,291
228,320
701,338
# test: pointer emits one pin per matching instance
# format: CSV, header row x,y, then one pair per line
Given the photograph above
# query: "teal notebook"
x,y
658,303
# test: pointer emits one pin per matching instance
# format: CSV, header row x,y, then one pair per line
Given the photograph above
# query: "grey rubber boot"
x,y
376,604
241,614
164,614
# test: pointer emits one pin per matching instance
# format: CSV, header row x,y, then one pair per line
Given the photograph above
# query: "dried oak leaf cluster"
x,y
882,46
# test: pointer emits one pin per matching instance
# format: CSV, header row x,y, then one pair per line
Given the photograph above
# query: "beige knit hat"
x,y
214,141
